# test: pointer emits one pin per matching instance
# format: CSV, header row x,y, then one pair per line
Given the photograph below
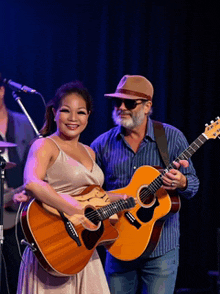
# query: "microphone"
x,y
18,87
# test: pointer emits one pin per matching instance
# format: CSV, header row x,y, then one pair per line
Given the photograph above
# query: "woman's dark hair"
x,y
49,126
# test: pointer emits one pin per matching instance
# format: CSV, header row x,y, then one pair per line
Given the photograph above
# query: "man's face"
x,y
130,118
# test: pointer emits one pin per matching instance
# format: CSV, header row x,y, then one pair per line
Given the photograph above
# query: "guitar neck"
x,y
114,207
185,155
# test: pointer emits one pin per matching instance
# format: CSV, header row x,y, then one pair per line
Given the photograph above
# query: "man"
x,y
14,128
122,150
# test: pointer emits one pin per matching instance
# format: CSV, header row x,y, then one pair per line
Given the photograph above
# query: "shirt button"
x,y
135,167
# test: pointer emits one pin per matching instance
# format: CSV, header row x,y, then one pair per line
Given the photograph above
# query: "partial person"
x,y
14,128
119,153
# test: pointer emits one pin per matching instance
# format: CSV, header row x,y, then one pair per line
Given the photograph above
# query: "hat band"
x,y
129,92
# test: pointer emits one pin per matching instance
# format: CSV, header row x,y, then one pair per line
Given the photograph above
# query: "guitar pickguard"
x,y
146,214
90,238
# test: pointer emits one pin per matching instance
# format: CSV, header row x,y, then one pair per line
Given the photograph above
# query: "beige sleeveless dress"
x,y
68,176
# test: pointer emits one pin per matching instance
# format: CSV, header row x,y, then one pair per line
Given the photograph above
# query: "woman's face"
x,y
71,117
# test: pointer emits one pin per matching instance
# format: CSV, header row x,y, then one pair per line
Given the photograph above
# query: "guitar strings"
x,y
93,214
157,183
122,203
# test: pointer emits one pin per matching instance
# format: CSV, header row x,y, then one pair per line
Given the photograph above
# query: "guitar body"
x,y
55,250
141,227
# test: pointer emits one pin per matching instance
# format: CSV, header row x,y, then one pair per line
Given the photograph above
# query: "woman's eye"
x,y
64,110
82,112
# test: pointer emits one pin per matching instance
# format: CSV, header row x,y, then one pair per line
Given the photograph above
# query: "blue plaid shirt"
x,y
119,162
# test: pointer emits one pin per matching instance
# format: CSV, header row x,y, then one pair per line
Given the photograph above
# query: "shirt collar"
x,y
149,133
119,132
150,130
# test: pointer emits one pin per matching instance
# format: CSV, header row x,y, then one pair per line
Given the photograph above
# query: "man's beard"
x,y
133,121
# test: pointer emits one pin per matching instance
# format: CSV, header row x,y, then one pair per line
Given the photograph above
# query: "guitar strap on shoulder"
x,y
161,141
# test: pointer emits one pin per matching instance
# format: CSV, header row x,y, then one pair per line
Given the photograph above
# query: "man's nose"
x,y
122,106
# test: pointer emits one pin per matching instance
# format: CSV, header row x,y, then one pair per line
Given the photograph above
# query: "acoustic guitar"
x,y
140,228
63,245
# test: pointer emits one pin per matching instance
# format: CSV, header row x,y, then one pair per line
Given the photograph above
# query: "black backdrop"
x,y
175,44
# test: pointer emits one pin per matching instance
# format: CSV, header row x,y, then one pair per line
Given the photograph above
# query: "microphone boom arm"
x,y
18,100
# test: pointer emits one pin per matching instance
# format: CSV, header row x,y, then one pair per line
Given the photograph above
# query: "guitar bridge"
x,y
132,220
70,229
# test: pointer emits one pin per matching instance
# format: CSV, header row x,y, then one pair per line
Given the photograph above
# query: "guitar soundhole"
x,y
90,238
146,196
146,214
92,215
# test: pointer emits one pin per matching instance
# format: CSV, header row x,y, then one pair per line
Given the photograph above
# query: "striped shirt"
x,y
119,162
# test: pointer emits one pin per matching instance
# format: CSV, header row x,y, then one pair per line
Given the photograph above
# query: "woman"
x,y
57,167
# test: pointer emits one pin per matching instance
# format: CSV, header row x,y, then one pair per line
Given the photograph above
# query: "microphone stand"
x,y
2,177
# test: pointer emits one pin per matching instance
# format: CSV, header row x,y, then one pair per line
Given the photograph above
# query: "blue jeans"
x,y
143,275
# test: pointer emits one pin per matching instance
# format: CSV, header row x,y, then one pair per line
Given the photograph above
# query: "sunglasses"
x,y
129,103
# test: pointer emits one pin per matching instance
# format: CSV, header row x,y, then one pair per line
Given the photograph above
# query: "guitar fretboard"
x,y
185,155
114,207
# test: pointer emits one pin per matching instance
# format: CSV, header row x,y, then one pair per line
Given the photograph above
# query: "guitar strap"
x,y
161,141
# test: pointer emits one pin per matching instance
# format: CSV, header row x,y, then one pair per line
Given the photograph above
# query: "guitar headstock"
x,y
212,131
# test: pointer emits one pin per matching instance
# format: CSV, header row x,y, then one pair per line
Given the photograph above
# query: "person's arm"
x,y
40,157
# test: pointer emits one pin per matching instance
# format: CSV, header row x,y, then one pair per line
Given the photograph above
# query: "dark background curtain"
x,y
175,44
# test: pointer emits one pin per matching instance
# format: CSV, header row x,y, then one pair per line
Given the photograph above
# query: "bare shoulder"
x,y
43,146
91,152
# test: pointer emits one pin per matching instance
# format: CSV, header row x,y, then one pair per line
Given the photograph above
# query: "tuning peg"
x,y
218,137
212,121
206,125
217,118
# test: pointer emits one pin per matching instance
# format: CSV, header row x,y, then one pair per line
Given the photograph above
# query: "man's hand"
x,y
174,179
